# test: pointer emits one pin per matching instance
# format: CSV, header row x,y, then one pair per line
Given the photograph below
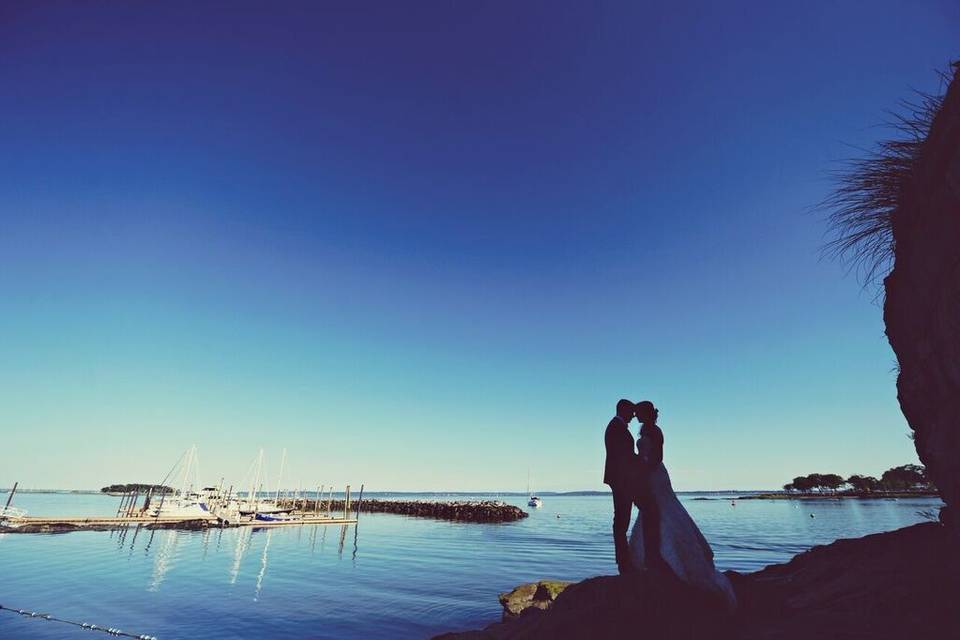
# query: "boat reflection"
x,y
263,566
164,560
243,541
169,548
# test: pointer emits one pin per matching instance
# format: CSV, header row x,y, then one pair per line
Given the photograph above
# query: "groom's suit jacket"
x,y
619,445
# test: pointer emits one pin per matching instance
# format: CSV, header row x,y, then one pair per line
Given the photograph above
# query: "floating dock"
x,y
217,514
63,524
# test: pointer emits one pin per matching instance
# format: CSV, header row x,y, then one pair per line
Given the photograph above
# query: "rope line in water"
x,y
83,625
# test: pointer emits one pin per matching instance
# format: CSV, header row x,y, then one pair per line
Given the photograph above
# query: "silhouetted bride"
x,y
675,541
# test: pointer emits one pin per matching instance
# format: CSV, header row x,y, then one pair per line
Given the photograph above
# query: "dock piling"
x,y
10,497
133,503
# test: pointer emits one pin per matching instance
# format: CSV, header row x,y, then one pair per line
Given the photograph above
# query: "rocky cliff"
x,y
922,305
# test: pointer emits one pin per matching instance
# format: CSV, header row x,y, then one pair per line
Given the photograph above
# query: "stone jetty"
x,y
483,511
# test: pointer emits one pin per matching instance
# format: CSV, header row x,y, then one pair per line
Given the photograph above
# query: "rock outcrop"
x,y
538,595
902,584
922,305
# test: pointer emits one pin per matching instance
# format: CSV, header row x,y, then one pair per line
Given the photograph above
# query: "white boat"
x,y
254,506
179,506
532,501
277,516
186,502
11,517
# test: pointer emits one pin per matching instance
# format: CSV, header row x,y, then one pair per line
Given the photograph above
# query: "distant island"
x,y
137,488
904,481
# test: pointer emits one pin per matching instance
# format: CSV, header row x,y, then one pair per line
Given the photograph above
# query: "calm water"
x,y
394,577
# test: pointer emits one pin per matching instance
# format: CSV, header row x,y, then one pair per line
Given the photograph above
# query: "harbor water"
x,y
389,577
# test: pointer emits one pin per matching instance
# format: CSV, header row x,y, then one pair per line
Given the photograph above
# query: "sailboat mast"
x,y
186,472
283,460
252,498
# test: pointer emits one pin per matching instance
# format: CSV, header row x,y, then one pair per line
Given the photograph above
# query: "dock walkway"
x,y
62,524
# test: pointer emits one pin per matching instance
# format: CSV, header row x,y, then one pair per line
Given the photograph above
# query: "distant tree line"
x,y
908,477
141,488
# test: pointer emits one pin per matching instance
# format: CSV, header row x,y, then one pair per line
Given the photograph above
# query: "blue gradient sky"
x,y
428,247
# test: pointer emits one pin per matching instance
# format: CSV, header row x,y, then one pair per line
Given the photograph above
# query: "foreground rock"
x,y
902,584
539,595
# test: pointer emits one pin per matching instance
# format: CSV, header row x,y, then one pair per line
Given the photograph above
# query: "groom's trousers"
x,y
622,506
624,498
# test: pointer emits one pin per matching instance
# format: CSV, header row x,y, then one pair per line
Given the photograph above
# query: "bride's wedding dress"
x,y
682,545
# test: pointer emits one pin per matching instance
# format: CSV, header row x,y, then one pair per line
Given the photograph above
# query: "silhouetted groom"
x,y
617,473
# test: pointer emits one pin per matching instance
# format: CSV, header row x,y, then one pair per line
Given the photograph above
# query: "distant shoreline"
x,y
506,494
860,495
740,494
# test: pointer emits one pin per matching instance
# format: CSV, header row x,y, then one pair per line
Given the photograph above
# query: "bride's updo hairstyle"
x,y
646,412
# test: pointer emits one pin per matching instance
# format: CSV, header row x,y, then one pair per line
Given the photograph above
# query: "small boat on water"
x,y
532,501
276,517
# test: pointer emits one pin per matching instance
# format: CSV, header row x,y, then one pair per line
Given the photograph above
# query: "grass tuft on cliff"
x,y
869,189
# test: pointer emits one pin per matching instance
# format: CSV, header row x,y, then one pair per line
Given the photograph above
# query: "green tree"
x,y
905,477
815,481
831,481
136,486
863,483
802,483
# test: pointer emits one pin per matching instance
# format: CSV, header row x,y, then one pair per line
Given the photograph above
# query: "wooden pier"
x,y
106,520
131,514
63,524
215,509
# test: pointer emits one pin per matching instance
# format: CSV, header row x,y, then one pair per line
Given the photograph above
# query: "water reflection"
x,y
164,560
168,552
226,570
133,542
356,532
243,541
263,566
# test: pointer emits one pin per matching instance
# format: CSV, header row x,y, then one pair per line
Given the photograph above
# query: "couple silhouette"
x,y
664,536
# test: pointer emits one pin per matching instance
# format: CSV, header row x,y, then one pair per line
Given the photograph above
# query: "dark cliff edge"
x,y
901,584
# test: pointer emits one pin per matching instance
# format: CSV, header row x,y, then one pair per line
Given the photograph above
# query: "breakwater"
x,y
483,511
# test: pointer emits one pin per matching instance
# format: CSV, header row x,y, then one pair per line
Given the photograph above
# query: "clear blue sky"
x,y
429,245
